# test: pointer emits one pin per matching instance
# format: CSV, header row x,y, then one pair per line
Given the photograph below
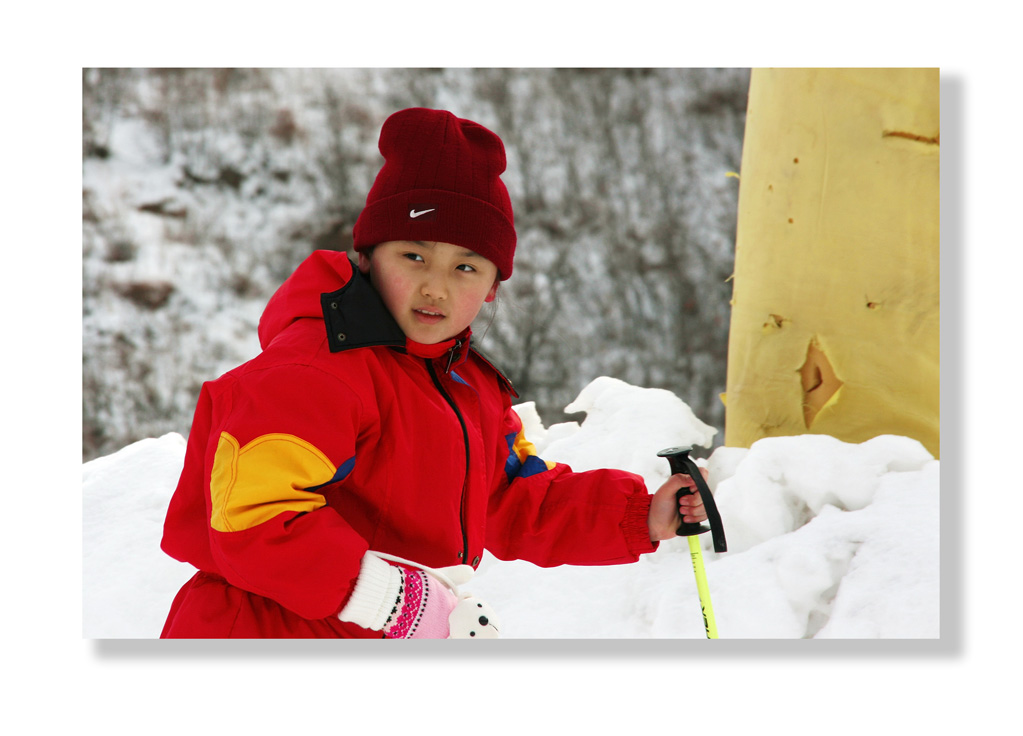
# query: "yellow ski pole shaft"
x,y
701,586
680,462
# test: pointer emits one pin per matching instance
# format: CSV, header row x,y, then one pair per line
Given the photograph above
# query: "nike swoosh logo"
x,y
413,214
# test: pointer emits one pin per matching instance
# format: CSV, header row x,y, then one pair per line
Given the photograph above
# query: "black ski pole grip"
x,y
680,462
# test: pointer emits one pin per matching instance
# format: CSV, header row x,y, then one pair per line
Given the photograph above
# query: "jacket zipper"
x,y
465,439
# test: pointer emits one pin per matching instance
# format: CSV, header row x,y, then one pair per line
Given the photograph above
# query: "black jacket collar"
x,y
356,317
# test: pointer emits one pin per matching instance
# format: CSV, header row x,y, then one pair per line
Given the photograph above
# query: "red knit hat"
x,y
440,182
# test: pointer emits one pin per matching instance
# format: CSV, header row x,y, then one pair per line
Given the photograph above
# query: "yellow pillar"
x,y
835,324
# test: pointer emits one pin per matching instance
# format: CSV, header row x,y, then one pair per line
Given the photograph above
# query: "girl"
x,y
369,439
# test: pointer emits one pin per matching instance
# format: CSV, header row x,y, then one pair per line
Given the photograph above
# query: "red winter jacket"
x,y
343,436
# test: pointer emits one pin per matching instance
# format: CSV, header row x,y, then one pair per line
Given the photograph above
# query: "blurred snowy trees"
x,y
204,188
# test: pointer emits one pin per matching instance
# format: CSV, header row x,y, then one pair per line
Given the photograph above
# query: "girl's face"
x,y
433,290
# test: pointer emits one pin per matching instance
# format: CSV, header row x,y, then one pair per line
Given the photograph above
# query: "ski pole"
x,y
680,462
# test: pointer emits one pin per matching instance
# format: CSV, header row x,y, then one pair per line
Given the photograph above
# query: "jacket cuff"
x,y
636,524
375,595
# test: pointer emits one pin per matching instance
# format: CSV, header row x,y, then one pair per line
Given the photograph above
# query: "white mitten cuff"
x,y
376,591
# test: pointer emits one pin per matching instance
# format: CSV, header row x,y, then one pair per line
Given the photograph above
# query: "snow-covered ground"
x,y
826,539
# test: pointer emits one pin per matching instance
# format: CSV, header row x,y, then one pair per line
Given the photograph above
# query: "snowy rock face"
x,y
826,539
204,188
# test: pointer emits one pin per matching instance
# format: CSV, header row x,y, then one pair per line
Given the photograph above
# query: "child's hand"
x,y
666,514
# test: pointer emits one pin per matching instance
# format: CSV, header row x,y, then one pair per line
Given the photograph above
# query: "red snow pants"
x,y
208,607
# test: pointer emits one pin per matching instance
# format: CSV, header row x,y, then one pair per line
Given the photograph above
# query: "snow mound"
x,y
781,483
625,427
127,580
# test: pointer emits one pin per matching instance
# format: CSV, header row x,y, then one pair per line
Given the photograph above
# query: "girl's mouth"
x,y
428,316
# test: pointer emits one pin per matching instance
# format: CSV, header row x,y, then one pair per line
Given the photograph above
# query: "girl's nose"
x,y
434,287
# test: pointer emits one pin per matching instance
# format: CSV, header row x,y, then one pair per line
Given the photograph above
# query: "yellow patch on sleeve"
x,y
252,484
524,449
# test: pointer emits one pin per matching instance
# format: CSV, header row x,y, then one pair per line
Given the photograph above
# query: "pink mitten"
x,y
422,608
399,601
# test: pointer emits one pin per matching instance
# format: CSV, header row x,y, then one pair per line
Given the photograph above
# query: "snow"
x,y
826,539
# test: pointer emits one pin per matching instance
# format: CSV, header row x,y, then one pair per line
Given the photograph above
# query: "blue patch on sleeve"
x,y
515,468
533,466
342,472
512,464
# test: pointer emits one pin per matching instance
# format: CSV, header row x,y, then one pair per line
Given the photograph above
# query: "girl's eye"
x,y
466,268
413,256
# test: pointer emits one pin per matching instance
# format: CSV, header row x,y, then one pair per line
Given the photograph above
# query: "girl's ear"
x,y
492,294
364,260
